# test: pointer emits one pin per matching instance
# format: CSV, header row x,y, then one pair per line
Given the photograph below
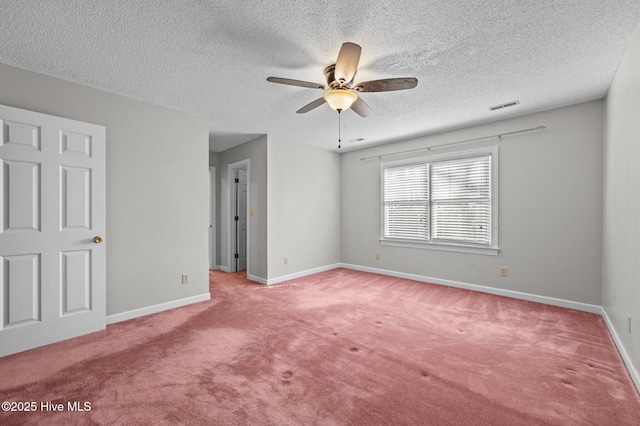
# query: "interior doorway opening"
x,y
239,238
213,262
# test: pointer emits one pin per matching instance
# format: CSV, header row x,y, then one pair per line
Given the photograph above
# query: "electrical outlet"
x,y
185,278
286,260
377,256
503,271
629,323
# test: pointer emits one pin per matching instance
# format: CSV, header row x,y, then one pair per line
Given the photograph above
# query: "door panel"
x,y
22,135
21,196
75,269
242,222
75,144
21,284
52,196
75,198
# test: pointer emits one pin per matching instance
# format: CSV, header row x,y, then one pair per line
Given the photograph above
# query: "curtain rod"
x,y
429,148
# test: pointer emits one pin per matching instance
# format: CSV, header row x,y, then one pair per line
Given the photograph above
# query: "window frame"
x,y
491,249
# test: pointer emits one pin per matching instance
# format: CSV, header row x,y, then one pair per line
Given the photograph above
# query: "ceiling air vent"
x,y
508,104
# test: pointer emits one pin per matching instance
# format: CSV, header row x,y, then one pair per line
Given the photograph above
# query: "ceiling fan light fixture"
x,y
342,89
340,99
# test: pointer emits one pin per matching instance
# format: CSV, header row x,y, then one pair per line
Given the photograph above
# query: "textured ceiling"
x,y
212,58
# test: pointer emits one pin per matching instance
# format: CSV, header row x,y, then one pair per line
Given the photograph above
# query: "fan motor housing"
x,y
330,76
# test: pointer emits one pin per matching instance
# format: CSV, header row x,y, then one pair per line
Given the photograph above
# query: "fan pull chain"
x,y
339,132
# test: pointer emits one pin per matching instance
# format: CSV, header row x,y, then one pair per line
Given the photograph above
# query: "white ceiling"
x,y
212,58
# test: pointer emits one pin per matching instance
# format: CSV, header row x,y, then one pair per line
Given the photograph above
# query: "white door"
x,y
52,221
242,222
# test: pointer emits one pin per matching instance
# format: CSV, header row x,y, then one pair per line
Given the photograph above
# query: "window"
x,y
445,202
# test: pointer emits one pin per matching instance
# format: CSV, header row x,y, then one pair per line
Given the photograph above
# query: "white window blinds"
x,y
406,202
446,199
461,200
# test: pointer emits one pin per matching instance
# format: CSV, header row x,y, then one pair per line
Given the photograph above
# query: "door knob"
x,y
97,239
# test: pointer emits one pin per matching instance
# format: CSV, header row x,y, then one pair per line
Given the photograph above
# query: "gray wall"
x,y
156,186
621,283
295,197
550,213
256,152
303,207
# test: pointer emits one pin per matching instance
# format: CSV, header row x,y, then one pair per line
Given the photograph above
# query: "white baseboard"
x,y
594,309
256,279
633,372
300,274
288,277
124,316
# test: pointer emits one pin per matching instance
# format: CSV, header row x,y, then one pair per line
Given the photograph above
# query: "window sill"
x,y
459,248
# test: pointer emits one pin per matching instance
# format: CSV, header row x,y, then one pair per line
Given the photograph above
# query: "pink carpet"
x,y
336,348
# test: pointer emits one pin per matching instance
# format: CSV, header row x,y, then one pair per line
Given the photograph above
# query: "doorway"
x,y
239,230
213,263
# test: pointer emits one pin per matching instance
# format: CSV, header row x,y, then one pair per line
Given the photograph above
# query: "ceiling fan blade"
x,y
361,108
387,85
308,107
347,62
298,83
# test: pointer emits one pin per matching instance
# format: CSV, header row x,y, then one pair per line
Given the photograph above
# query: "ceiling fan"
x,y
341,90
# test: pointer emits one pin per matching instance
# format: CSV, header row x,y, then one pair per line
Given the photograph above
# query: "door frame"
x,y
232,243
212,219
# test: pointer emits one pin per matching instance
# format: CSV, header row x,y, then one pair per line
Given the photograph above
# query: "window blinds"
x,y
461,200
406,202
441,201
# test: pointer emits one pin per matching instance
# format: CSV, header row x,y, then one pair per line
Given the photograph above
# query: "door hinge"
x,y
237,218
237,180
237,256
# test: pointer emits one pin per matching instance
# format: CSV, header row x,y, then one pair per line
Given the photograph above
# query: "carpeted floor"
x,y
336,348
